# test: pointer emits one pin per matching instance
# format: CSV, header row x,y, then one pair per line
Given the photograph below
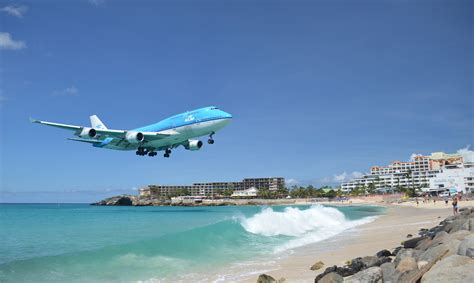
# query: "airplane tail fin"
x,y
97,123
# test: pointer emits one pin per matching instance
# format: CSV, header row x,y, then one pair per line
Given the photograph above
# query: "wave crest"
x,y
306,226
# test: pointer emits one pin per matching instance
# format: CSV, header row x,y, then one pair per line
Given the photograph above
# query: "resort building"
x,y
213,188
252,192
418,173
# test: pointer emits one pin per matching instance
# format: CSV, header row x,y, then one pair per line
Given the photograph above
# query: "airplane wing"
x,y
118,134
57,125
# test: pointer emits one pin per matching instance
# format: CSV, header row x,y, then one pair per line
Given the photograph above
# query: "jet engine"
x,y
134,137
88,133
194,145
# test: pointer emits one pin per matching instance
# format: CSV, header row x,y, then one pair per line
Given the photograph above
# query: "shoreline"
x,y
385,232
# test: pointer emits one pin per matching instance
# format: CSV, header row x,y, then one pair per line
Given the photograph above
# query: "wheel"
x,y
151,153
137,152
166,155
210,141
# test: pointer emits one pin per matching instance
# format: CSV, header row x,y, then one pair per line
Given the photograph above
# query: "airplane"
x,y
178,130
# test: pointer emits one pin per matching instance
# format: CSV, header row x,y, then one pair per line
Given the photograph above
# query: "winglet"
x,y
34,120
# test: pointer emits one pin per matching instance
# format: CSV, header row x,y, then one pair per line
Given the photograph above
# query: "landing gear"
x,y
167,153
143,151
211,140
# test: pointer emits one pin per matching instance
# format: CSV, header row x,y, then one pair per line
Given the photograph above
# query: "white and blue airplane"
x,y
165,135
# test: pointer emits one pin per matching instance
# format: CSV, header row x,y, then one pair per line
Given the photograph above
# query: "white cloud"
x,y
467,154
291,182
69,91
413,155
96,2
16,11
344,176
7,42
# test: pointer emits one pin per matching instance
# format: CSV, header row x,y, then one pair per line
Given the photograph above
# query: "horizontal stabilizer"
x,y
85,140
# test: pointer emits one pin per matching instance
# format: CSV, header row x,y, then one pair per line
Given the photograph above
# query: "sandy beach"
x,y
385,232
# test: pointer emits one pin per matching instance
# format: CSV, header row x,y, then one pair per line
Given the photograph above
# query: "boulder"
x,y
396,250
369,275
369,261
388,272
470,252
383,253
410,244
406,253
331,277
434,254
460,235
407,264
263,278
467,243
409,235
454,268
318,265
326,271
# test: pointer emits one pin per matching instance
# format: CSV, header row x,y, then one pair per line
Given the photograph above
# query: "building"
x,y
458,178
252,192
417,173
212,188
271,184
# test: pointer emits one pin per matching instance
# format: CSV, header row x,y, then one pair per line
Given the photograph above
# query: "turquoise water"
x,y
82,243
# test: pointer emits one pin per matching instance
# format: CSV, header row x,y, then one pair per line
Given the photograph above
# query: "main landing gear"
x,y
143,151
167,153
211,140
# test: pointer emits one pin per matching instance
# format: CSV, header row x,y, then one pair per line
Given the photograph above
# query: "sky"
x,y
319,90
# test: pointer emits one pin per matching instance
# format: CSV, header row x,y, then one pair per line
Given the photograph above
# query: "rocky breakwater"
x,y
130,200
441,254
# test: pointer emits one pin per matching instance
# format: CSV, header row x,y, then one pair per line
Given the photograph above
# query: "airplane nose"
x,y
227,115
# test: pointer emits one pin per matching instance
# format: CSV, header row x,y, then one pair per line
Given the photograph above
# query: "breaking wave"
x,y
303,226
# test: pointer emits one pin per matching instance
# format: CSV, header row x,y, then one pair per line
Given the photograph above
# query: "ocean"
x,y
82,243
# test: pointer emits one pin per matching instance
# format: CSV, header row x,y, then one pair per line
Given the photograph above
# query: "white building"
x,y
252,192
417,173
454,178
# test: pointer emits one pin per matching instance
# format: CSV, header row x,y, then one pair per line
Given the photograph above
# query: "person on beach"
x,y
445,200
455,205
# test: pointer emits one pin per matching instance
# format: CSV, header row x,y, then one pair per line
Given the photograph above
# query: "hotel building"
x,y
213,188
419,173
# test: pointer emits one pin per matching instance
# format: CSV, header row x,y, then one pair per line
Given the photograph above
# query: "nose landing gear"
x,y
167,153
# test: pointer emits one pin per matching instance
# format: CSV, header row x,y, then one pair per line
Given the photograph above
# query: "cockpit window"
x,y
212,108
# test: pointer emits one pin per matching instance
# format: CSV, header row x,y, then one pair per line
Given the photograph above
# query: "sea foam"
x,y
304,226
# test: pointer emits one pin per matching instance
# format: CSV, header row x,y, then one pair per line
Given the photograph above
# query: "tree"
x,y
371,188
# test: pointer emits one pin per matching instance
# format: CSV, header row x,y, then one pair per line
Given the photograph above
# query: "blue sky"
x,y
316,88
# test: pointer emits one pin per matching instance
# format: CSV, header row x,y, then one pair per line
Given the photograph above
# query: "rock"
x,y
369,275
406,253
318,265
331,277
409,235
424,244
421,264
396,250
407,264
410,244
434,254
460,235
467,243
454,226
383,260
454,268
369,261
470,252
263,278
388,272
326,271
383,253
